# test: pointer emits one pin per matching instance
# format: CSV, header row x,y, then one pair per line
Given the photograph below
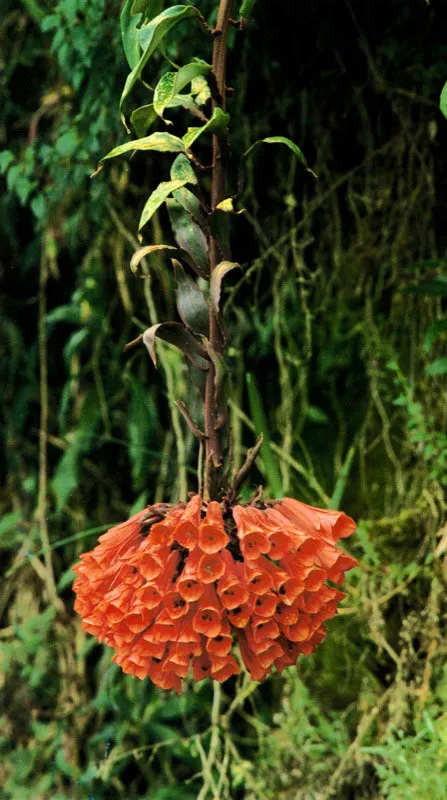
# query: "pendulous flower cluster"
x,y
175,587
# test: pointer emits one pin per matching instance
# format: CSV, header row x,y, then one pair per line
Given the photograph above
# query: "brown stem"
x,y
213,443
244,471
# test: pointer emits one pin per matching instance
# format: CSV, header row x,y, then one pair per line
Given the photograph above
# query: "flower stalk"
x,y
213,426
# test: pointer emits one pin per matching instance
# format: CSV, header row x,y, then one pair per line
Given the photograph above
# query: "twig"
x,y
243,472
364,725
311,479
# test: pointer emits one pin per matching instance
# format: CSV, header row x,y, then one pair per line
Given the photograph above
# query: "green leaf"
x,y
74,343
424,263
443,100
317,415
148,250
217,124
435,330
9,522
149,8
161,142
183,101
340,486
6,159
172,83
246,9
8,525
67,313
67,144
38,206
157,198
181,170
63,766
142,118
217,277
438,367
164,92
218,222
65,580
191,304
165,793
158,249
129,21
65,477
139,504
189,236
282,140
191,204
180,337
150,37
437,287
220,384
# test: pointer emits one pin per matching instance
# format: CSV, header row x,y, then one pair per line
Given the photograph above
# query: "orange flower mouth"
x,y
177,587
210,568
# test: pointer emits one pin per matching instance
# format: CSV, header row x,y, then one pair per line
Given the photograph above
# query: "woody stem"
x,y
213,422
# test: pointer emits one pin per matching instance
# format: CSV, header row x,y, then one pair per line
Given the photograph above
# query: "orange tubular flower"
x,y
175,587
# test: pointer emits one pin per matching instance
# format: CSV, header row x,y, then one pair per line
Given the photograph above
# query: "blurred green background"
x,y
338,354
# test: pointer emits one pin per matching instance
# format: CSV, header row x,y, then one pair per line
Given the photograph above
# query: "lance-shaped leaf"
x,y
435,330
220,385
189,236
192,206
158,249
227,205
218,222
246,9
172,83
218,123
184,101
142,118
443,100
149,8
130,19
181,170
161,142
180,337
191,304
260,422
150,37
198,379
282,140
217,277
437,367
157,198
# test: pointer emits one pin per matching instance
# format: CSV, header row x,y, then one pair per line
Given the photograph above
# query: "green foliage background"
x,y
338,355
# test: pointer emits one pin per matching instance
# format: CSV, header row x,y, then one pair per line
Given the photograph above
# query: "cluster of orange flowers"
x,y
172,587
